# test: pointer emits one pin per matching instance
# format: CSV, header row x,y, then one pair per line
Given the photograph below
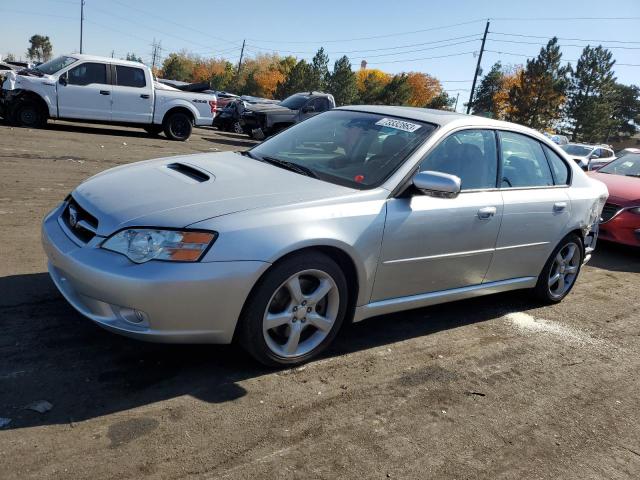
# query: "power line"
x,y
426,58
562,38
561,45
533,56
372,37
22,12
538,19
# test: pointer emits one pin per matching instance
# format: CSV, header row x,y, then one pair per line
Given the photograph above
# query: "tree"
x,y
10,57
538,97
40,49
319,71
626,111
423,88
502,107
342,82
133,58
484,99
177,66
370,83
396,92
591,102
441,102
299,80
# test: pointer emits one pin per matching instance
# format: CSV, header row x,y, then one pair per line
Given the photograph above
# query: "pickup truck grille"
x,y
80,223
609,211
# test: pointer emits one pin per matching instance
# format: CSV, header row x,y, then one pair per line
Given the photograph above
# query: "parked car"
x,y
589,157
621,214
626,151
224,98
354,213
557,139
103,90
228,119
260,121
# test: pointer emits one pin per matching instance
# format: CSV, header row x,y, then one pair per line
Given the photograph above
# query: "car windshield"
x,y
55,65
355,149
628,165
294,102
579,150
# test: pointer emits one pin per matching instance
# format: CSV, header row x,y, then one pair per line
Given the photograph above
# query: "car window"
x,y
130,76
320,104
606,153
470,155
523,162
559,169
88,73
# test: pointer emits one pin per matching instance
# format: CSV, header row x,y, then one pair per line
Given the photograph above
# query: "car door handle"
x,y
145,95
559,206
105,92
486,213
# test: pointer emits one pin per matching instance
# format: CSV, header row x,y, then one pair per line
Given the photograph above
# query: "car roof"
x,y
96,58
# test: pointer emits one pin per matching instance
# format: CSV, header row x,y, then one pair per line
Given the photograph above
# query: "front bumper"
x,y
156,301
623,228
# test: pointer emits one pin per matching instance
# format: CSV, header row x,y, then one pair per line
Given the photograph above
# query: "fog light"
x,y
140,316
137,317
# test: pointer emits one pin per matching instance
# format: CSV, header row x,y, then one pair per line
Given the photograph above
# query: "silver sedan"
x,y
356,212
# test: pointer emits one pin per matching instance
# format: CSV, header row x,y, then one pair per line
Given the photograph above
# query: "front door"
x,y
536,206
87,93
433,244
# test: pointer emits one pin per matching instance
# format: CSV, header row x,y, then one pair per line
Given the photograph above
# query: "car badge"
x,y
73,216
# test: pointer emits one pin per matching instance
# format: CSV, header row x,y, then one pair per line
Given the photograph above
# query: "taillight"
x,y
213,104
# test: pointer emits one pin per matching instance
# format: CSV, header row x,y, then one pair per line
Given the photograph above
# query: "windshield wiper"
x,y
633,175
294,167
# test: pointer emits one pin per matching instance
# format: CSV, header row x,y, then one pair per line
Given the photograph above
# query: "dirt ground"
x,y
492,388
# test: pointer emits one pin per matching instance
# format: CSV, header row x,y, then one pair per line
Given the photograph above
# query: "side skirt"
x,y
392,305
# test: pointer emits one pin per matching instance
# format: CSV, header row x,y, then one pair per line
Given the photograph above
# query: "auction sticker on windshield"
x,y
398,124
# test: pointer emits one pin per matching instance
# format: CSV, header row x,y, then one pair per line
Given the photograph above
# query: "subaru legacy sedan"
x,y
356,212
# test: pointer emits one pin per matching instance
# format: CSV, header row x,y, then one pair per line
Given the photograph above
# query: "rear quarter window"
x,y
130,77
559,168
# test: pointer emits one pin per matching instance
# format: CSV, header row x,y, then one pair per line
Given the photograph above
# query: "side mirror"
x,y
437,184
594,155
309,109
62,80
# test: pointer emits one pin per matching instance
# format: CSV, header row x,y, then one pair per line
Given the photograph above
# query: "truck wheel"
x,y
30,115
237,128
153,129
177,126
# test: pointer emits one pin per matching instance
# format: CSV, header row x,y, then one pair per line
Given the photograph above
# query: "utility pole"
x,y
81,22
113,52
155,53
241,54
475,77
455,108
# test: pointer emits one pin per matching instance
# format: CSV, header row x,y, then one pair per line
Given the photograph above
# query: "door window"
x,y
523,162
88,73
319,104
130,77
468,154
559,169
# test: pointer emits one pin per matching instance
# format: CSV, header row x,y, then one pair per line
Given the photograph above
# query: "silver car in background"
x,y
356,212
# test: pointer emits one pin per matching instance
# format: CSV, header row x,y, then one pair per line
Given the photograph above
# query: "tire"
x,y
236,127
153,129
563,266
30,115
177,126
303,321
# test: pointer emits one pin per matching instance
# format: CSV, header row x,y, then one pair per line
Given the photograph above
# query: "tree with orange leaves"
x,y
424,88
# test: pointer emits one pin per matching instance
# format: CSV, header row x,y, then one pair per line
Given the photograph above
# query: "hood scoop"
x,y
193,173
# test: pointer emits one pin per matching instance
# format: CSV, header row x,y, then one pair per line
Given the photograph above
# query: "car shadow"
x,y
233,141
99,130
52,353
615,257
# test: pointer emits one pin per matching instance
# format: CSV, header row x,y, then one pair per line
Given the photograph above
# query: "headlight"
x,y
143,244
635,210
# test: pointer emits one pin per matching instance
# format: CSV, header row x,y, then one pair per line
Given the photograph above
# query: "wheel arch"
x,y
180,109
29,96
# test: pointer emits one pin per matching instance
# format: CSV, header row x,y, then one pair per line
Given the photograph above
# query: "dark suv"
x,y
261,120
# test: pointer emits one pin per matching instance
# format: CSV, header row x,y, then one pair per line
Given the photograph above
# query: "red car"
x,y
621,214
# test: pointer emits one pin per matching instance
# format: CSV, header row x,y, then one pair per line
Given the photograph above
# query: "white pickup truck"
x,y
102,90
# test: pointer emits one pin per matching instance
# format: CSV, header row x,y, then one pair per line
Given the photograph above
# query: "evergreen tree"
x,y
396,92
298,80
441,102
371,88
40,49
483,101
591,102
626,111
133,58
319,71
342,82
539,95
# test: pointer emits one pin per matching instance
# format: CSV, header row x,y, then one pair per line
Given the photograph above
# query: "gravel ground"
x,y
493,388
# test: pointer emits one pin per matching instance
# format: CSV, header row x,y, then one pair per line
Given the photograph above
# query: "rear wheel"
x,y
237,128
178,126
30,114
561,270
295,311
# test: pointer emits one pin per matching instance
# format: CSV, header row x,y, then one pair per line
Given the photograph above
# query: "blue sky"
x,y
393,36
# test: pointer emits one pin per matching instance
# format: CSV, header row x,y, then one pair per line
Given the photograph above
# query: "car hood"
x,y
623,190
151,193
14,80
268,108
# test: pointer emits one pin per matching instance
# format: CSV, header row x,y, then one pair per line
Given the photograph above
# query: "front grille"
x,y
81,223
609,211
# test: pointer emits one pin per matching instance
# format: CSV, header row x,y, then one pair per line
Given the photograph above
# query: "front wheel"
x,y
237,127
30,115
295,311
561,270
178,126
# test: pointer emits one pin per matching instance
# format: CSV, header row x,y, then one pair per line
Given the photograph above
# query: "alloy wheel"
x,y
301,313
564,271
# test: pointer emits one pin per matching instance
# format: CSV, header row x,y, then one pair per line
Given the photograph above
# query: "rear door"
x,y
87,93
132,94
534,183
